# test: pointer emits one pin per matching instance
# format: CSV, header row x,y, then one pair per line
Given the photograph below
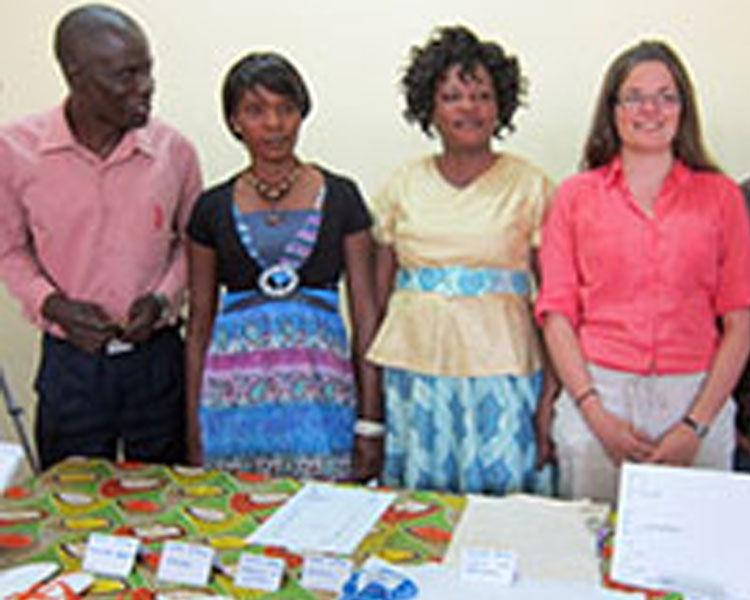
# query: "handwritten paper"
x,y
110,554
258,572
486,564
185,563
325,573
324,518
680,529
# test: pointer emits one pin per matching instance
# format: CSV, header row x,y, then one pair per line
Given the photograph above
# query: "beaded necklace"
x,y
281,279
273,193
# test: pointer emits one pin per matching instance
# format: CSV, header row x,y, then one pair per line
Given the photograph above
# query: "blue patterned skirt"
x,y
463,434
278,394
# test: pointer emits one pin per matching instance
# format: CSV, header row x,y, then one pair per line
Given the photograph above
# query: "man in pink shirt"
x,y
94,198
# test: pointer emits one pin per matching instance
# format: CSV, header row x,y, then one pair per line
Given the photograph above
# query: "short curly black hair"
x,y
458,45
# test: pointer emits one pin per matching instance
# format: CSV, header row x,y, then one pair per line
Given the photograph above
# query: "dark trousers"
x,y
741,461
88,403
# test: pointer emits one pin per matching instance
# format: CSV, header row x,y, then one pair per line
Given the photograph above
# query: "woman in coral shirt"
x,y
641,254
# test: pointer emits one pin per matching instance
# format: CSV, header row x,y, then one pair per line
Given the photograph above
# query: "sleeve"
x,y
542,199
174,282
356,215
19,268
560,281
734,253
201,227
384,210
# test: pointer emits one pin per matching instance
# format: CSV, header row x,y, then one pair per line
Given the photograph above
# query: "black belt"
x,y
116,347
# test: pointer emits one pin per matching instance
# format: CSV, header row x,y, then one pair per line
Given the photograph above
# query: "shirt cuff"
x,y
37,294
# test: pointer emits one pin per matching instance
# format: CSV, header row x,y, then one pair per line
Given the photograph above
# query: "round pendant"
x,y
274,218
278,281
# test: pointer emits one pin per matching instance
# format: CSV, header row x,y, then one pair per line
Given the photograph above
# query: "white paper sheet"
x,y
11,456
324,518
555,540
684,530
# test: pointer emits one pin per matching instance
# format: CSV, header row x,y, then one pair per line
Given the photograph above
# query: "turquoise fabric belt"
x,y
463,281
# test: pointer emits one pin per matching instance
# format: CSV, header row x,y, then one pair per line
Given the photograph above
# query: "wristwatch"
x,y
699,429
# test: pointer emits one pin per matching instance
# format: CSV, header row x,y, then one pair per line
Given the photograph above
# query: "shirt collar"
x,y
678,175
58,136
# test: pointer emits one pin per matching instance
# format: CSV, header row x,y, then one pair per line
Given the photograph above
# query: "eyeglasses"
x,y
661,100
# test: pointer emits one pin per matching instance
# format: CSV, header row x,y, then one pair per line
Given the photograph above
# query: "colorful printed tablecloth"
x,y
51,517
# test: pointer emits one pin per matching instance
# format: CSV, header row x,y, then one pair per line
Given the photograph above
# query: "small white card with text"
x,y
257,572
480,564
325,573
112,555
185,563
11,457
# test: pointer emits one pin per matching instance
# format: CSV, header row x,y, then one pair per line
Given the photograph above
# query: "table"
x,y
50,518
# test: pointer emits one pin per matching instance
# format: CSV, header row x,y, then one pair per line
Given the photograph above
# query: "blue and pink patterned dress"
x,y
278,395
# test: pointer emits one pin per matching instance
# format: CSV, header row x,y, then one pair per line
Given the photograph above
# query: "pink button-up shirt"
x,y
103,231
642,292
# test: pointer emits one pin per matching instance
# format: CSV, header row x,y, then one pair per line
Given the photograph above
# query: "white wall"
x,y
351,51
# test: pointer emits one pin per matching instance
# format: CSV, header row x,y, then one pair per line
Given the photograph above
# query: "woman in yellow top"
x,y
463,364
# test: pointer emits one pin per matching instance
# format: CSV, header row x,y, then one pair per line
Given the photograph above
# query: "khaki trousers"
x,y
653,404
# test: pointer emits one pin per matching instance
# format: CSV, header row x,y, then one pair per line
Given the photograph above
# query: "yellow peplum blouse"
x,y
492,223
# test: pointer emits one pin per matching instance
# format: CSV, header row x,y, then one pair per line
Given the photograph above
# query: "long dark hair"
x,y
603,142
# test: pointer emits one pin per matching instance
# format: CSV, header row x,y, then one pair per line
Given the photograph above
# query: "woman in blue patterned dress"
x,y
273,386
